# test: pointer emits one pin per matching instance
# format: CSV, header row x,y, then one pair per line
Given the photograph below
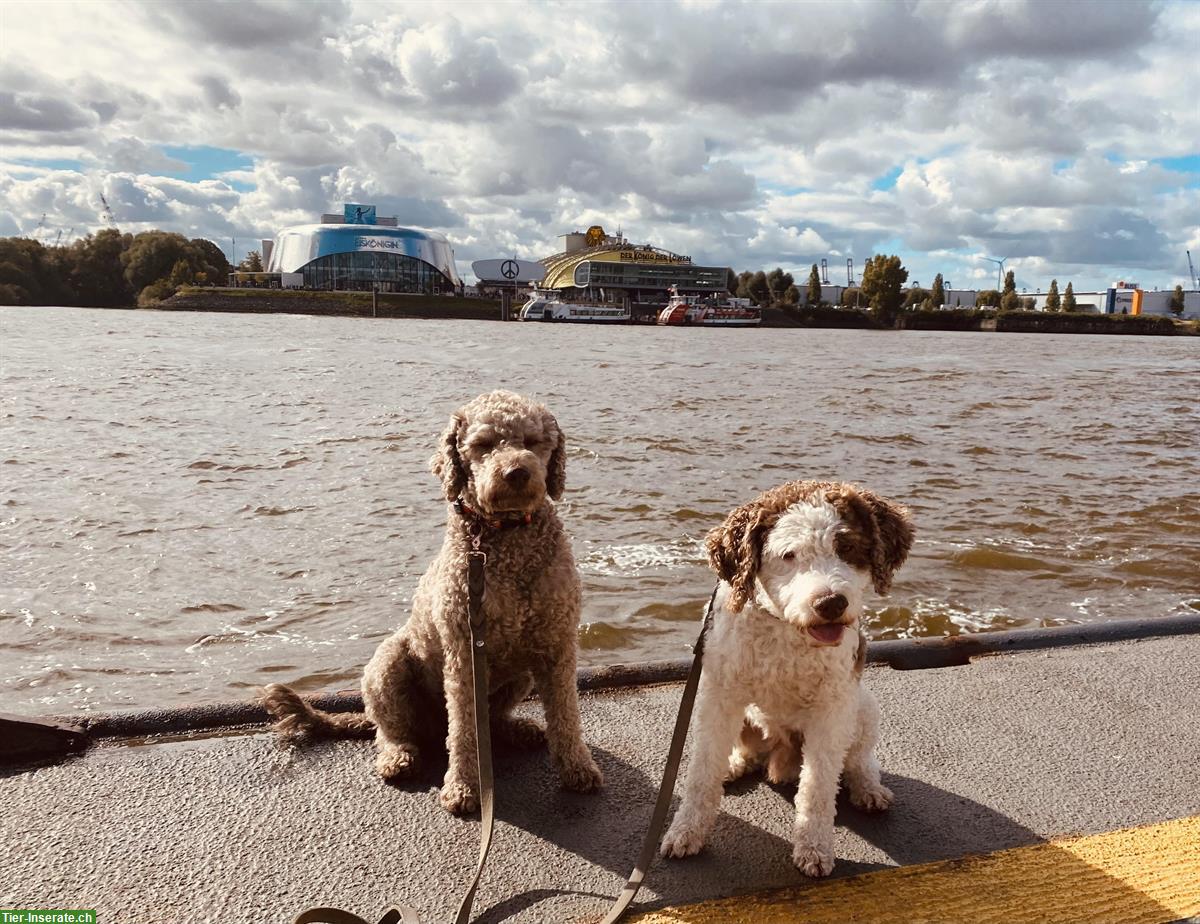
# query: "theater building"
x,y
357,251
598,266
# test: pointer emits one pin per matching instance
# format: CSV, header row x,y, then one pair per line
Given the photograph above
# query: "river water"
x,y
196,504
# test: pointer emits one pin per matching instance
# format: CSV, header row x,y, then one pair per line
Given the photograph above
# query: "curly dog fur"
x,y
783,661
504,457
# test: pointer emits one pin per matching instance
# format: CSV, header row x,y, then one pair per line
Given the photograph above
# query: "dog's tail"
x,y
296,720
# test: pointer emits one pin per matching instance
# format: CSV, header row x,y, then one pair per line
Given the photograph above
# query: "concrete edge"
x,y
899,654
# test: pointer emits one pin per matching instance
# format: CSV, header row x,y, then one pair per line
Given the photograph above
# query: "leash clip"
x,y
476,550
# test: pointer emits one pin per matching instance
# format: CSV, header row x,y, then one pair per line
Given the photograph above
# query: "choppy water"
x,y
195,504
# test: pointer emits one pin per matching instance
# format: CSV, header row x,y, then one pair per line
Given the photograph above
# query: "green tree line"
x,y
107,269
881,292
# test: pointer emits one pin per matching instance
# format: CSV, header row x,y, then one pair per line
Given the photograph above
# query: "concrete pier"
x,y
1009,751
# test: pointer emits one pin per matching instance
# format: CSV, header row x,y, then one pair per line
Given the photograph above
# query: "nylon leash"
x,y
667,788
477,625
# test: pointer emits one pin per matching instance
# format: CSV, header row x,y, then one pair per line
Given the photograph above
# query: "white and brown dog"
x,y
784,657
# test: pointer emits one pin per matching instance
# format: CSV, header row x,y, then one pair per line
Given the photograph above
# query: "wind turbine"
x,y
999,270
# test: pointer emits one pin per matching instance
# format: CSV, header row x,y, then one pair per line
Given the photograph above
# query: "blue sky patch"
x,y
888,180
205,162
1188,164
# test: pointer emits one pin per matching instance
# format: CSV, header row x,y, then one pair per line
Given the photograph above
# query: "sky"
x,y
1063,136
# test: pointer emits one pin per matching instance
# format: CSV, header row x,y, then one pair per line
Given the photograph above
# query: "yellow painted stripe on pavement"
x,y
1145,875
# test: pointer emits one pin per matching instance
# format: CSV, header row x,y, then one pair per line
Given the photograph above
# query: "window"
x,y
362,271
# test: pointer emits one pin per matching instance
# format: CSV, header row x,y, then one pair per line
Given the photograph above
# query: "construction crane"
x,y
849,271
1192,271
37,232
108,213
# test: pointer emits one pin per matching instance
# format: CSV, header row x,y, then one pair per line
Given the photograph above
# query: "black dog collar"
x,y
469,513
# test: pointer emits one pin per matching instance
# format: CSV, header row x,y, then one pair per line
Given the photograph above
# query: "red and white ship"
x,y
709,311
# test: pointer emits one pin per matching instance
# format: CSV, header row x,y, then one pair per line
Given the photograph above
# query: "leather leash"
x,y
477,622
667,788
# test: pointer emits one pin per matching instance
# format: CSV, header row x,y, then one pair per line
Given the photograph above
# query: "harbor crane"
x,y
1192,271
849,271
999,271
108,212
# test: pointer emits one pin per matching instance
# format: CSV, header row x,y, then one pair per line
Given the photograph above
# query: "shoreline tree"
x,y
882,281
106,270
814,287
916,298
1053,300
778,282
743,284
1176,304
252,263
1009,300
937,295
759,290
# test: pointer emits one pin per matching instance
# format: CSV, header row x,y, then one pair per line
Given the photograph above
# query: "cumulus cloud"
x,y
218,94
42,114
752,135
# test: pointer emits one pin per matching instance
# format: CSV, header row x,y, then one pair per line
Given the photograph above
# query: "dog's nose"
x,y
831,606
517,476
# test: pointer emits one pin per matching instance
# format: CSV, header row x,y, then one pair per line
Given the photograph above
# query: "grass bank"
x,y
352,304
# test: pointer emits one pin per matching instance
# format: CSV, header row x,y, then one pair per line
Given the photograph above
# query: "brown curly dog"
x,y
502,462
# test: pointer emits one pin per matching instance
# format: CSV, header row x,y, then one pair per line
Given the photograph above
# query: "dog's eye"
x,y
483,445
788,556
532,441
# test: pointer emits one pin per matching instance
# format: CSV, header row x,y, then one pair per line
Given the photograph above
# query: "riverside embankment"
x,y
333,304
428,307
1050,785
360,304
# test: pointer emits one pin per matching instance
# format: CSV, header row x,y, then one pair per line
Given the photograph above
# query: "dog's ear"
x,y
556,471
735,550
446,462
893,541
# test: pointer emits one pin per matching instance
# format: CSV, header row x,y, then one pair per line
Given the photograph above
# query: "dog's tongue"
x,y
828,633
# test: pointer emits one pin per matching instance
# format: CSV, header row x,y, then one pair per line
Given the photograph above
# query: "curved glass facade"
x,y
340,256
365,270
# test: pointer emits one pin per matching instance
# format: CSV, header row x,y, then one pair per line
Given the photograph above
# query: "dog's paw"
x,y
872,797
813,861
581,775
458,798
739,766
395,761
519,733
681,841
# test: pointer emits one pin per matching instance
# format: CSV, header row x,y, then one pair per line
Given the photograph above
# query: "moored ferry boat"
x,y
707,311
549,306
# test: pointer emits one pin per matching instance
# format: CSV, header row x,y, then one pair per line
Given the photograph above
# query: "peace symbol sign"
x,y
509,269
